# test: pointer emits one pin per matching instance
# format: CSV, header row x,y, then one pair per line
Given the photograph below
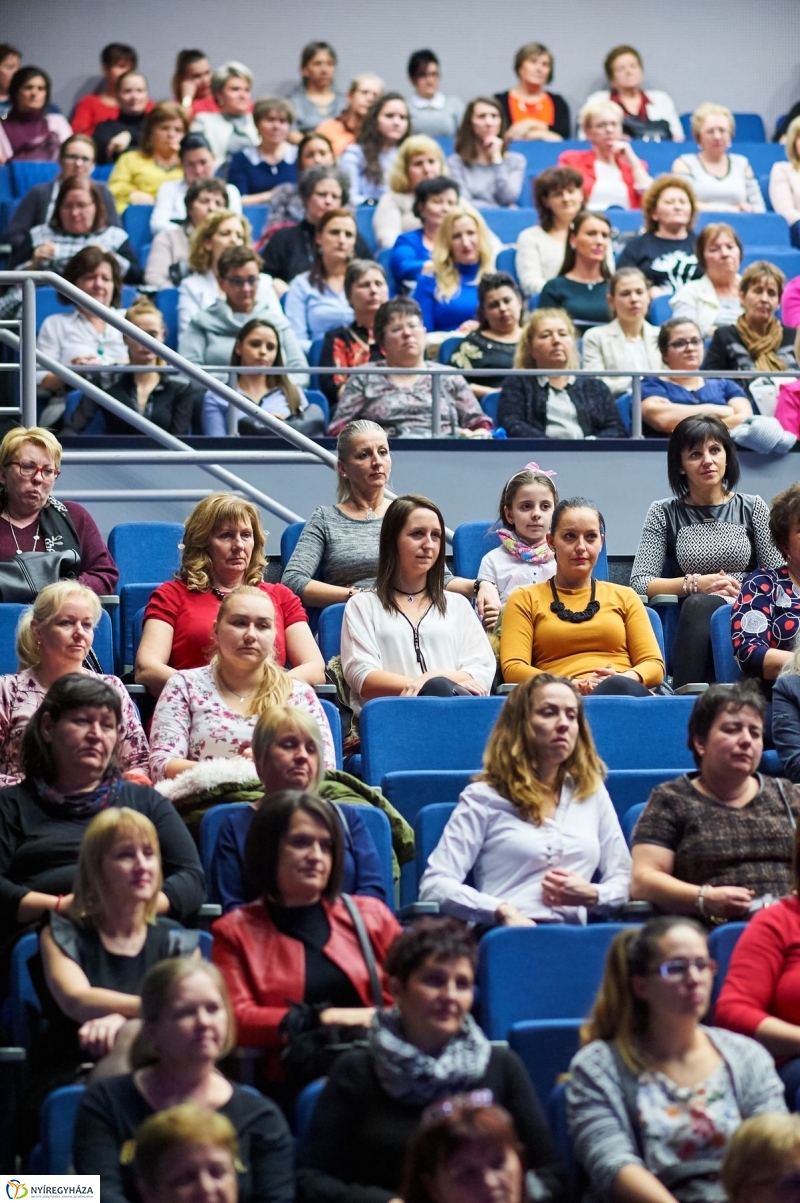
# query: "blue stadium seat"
x,y
623,403
749,127
628,220
103,172
136,221
166,300
23,1008
10,613
726,667
48,302
630,819
508,224
721,943
489,403
364,216
546,1047
437,733
641,733
289,537
335,722
207,841
787,259
658,629
449,346
53,1153
257,216
429,824
472,541
315,397
631,787
26,173
660,311
506,261
410,789
384,258
764,230
98,422
146,554
559,1126
304,1108
314,352
329,631
544,972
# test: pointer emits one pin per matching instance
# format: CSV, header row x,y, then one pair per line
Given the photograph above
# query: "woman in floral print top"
x,y
207,713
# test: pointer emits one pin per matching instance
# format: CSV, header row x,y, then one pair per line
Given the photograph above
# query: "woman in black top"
x,y
494,343
71,774
124,132
290,250
427,1048
581,286
187,1027
666,250
557,406
366,289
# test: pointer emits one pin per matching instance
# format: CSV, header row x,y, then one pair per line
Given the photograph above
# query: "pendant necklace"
x,y
410,596
243,697
19,551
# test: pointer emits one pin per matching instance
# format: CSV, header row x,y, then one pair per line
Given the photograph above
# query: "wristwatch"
x,y
476,587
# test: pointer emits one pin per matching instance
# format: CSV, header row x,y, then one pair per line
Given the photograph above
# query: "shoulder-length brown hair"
x,y
206,517
73,185
394,520
166,111
316,274
262,848
510,761
87,261
285,383
98,840
466,144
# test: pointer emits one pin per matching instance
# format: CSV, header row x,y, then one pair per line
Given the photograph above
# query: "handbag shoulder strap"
x,y
366,949
785,800
629,1086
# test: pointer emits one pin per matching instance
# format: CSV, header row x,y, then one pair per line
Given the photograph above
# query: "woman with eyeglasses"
x,y
33,520
717,843
667,400
654,1097
422,1051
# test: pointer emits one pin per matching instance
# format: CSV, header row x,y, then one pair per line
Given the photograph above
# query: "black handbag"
x,y
25,574
645,130
313,1046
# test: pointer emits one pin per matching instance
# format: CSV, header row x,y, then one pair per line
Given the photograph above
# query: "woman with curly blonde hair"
x,y
219,230
537,825
223,548
447,291
210,712
419,158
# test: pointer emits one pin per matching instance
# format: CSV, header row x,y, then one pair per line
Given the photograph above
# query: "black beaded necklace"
x,y
561,611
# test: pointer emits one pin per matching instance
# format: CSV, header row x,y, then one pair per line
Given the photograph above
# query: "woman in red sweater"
x,y
761,993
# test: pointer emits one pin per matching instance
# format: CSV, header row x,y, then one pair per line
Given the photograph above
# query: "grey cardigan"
x,y
599,1118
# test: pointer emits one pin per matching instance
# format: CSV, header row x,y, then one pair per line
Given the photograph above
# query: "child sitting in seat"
x,y
526,510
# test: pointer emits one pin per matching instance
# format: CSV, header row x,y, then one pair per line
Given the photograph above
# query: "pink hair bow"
x,y
534,467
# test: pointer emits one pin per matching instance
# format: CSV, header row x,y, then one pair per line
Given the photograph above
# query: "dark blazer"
x,y
727,352
786,724
560,124
32,211
522,410
169,405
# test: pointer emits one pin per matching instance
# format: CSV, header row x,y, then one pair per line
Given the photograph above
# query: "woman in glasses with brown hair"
x,y
654,1096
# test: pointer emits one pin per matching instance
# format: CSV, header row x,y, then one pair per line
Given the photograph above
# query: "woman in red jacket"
x,y
294,955
612,175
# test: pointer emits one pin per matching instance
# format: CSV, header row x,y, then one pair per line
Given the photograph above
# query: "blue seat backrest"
x,y
315,397
658,629
410,790
380,829
210,825
104,643
429,824
27,172
10,613
48,302
559,1126
102,172
335,722
145,551
545,1047
364,216
329,631
53,1153
749,127
726,668
721,943
788,260
98,423
490,402
257,216
25,1004
641,733
471,542
630,819
507,261
424,733
289,537
623,403
660,311
630,787
754,229
627,220
448,347
167,302
508,224
304,1108
136,222
384,258
544,972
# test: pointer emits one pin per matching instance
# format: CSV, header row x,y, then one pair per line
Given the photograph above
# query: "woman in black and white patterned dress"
x,y
700,544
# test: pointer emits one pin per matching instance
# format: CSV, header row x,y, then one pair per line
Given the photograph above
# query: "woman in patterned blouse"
x,y
699,544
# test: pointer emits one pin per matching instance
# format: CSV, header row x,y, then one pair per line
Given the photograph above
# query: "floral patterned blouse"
x,y
682,1124
765,615
191,721
21,696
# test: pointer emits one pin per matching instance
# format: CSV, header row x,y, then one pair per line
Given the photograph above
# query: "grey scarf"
x,y
411,1076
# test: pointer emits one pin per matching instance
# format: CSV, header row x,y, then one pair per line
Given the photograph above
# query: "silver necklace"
x,y
232,692
19,551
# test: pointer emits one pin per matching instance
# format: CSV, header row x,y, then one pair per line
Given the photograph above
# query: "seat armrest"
x,y
508,688
415,909
109,601
325,691
691,687
662,599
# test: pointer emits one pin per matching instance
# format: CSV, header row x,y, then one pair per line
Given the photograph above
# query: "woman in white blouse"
x,y
784,183
409,637
713,300
537,825
721,181
629,341
207,713
558,197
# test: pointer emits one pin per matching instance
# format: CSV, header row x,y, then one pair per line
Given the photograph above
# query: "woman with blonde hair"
x,y
763,1160
201,288
54,637
537,825
208,714
419,158
186,1147
138,174
654,1097
223,548
721,181
613,177
556,405
486,171
447,289
187,1028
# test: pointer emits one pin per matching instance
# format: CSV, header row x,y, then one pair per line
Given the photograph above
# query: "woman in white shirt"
x,y
558,197
537,825
713,300
409,637
201,287
784,183
629,341
721,181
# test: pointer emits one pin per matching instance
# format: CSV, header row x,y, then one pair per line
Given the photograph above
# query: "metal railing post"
x,y
27,362
636,407
436,405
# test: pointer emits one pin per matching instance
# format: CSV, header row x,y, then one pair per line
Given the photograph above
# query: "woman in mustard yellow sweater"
x,y
594,632
138,174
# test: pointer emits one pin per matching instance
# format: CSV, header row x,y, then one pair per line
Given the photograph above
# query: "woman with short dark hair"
x,y
115,59
487,172
651,114
531,112
433,200
365,289
558,197
432,112
258,170
667,400
494,343
316,97
29,130
420,1052
191,82
315,302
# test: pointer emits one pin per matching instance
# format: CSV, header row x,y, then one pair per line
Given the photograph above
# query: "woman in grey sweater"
x,y
654,1097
